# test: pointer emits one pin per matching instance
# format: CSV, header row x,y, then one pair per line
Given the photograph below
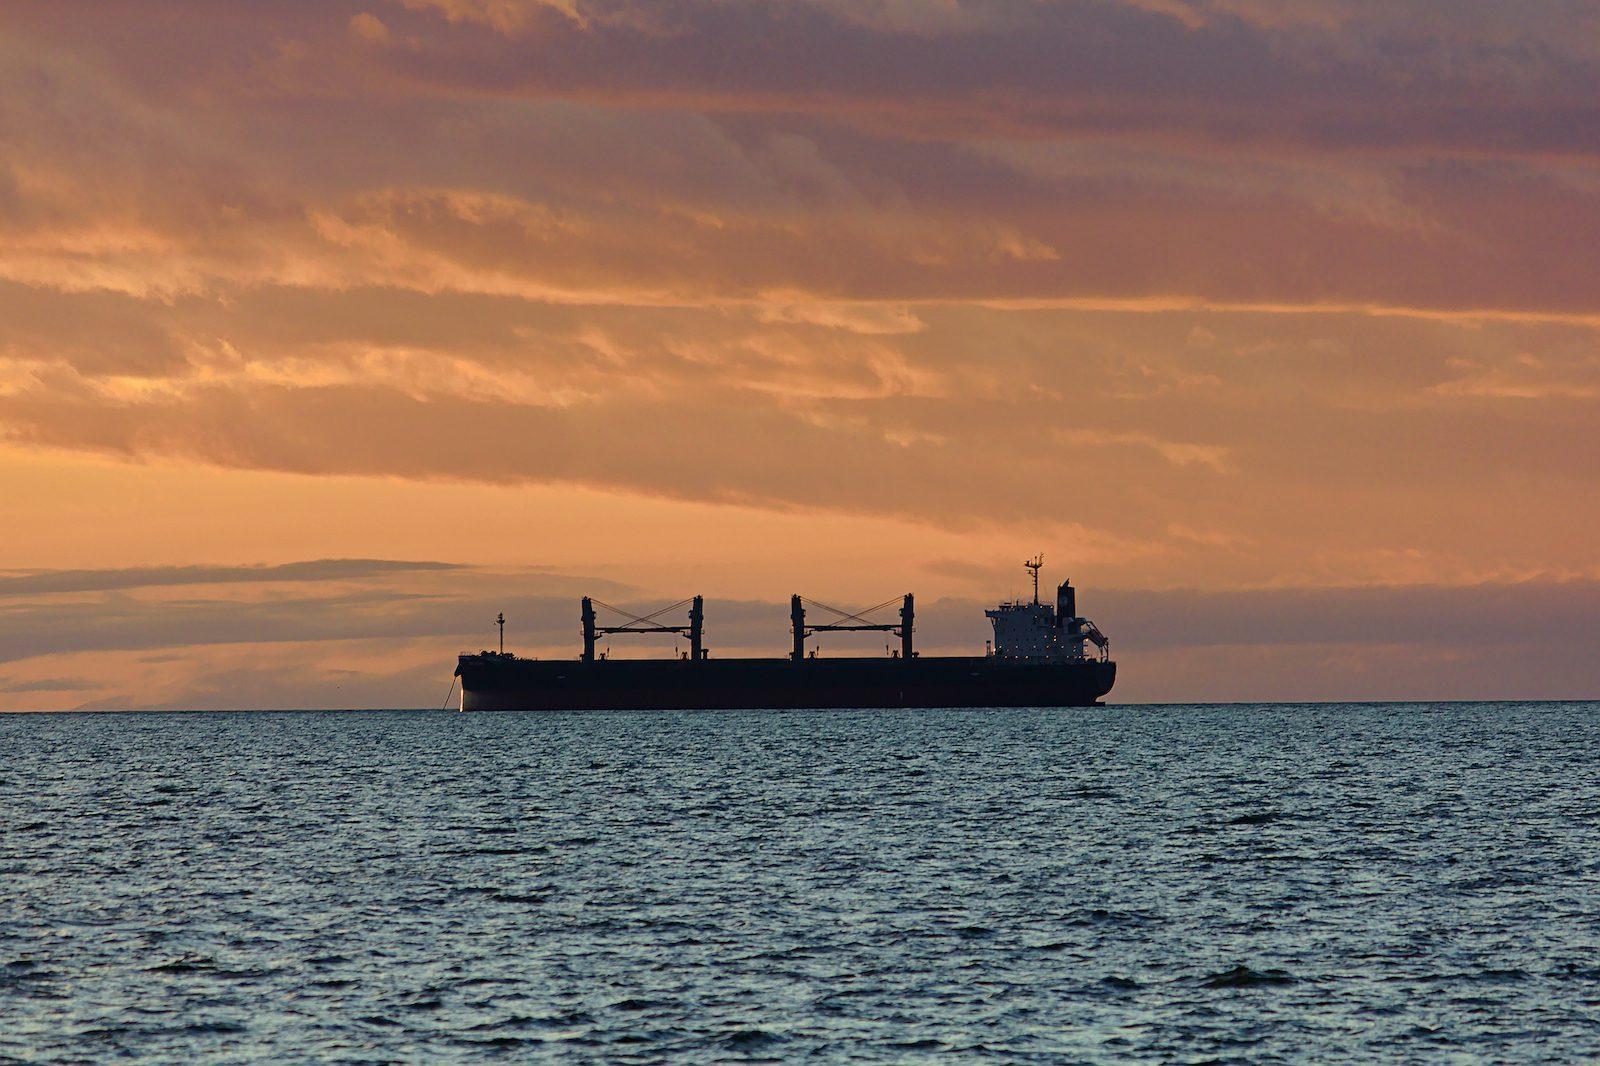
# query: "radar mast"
x,y
1034,565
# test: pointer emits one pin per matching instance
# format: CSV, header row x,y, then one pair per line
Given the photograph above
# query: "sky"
x,y
329,329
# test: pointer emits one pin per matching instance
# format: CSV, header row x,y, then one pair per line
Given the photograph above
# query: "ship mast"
x,y
1034,565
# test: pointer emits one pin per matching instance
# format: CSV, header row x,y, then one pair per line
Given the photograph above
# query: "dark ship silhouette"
x,y
1039,658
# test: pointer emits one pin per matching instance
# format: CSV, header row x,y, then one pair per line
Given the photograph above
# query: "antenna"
x,y
1035,565
499,620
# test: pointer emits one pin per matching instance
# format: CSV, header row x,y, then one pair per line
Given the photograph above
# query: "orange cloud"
x,y
1277,297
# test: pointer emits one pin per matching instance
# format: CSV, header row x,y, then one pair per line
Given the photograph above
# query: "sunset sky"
x,y
328,329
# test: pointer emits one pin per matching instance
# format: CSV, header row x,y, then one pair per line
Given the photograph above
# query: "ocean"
x,y
1395,883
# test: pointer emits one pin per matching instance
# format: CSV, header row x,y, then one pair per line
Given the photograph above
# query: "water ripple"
x,y
1400,883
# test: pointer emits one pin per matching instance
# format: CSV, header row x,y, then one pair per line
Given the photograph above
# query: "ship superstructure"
x,y
1038,659
1041,631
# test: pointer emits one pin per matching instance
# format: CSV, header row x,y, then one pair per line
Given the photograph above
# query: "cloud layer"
x,y
1225,294
376,634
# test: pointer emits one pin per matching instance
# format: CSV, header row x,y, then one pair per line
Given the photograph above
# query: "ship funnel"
x,y
1066,604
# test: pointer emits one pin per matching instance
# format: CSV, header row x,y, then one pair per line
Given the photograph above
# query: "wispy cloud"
x,y
58,581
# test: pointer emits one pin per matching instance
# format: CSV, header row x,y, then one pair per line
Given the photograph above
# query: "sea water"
x,y
1386,882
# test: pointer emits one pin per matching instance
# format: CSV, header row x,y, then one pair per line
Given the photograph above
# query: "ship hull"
x,y
502,683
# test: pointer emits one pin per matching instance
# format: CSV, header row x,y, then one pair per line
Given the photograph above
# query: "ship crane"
x,y
646,623
1092,634
852,622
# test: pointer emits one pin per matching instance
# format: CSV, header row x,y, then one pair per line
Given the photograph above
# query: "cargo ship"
x,y
1039,657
